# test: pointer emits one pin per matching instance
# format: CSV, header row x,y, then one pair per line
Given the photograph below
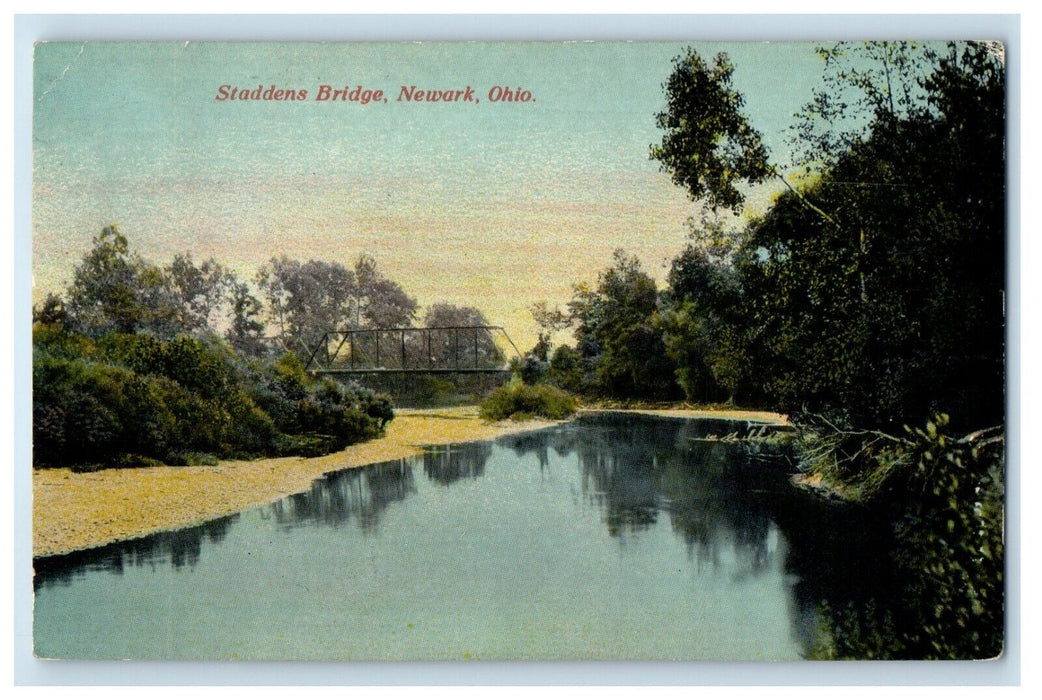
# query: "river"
x,y
610,537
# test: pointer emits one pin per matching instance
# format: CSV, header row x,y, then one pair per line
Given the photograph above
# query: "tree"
x,y
380,302
550,322
197,291
618,333
306,300
116,290
705,327
896,312
708,146
866,86
876,288
246,328
51,312
443,343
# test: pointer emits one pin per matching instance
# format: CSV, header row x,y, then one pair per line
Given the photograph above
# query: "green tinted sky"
x,y
492,205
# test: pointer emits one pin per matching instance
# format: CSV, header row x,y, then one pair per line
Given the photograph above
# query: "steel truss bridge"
x,y
412,350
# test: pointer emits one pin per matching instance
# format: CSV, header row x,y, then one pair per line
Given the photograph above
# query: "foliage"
x,y
952,541
895,312
529,368
307,299
443,344
550,322
617,332
518,401
90,407
136,399
246,329
944,495
197,291
116,290
705,334
566,370
874,290
708,146
381,302
327,414
864,85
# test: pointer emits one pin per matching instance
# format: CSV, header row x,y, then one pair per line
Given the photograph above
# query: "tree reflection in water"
x,y
447,464
177,548
636,467
351,494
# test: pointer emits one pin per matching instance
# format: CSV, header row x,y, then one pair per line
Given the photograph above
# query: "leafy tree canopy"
x,y
708,146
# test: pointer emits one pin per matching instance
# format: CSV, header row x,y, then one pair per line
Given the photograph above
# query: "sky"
x,y
492,204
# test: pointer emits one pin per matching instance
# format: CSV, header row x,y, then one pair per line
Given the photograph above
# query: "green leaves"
x,y
708,146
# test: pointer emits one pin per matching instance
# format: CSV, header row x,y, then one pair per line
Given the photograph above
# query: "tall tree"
x,y
892,309
618,333
705,327
246,329
305,300
116,290
380,302
197,290
708,146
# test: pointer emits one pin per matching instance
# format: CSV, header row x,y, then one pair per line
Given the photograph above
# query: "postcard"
x,y
525,351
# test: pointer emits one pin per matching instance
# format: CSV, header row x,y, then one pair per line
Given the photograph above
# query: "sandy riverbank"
x,y
77,511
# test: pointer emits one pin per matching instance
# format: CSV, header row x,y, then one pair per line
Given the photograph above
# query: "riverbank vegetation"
x,y
138,364
518,401
137,400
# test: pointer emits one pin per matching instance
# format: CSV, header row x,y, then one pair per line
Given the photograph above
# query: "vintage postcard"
x,y
603,350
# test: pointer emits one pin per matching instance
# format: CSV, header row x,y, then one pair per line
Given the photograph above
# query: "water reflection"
x,y
447,464
637,467
352,494
846,586
178,549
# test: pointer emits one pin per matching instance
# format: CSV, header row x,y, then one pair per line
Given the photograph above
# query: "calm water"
x,y
615,537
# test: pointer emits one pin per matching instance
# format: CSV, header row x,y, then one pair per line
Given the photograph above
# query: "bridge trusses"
x,y
412,350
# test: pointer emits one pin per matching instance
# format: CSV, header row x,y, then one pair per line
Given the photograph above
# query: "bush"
x,y
519,401
944,495
951,541
127,397
316,416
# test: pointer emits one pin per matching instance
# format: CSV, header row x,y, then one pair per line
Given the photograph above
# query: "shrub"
x,y
316,416
951,541
944,495
127,397
519,401
529,368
